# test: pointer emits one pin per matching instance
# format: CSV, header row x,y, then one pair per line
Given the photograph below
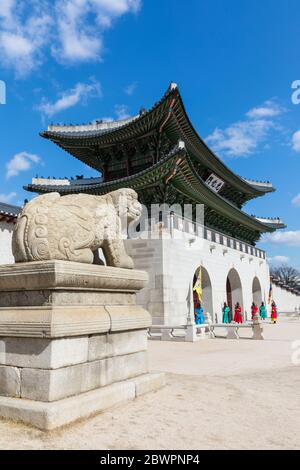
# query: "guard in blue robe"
x,y
263,311
226,313
199,315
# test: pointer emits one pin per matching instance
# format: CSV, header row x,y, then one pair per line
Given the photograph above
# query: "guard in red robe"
x,y
238,317
254,310
274,313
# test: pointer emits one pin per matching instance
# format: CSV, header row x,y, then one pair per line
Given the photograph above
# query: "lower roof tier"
x,y
174,180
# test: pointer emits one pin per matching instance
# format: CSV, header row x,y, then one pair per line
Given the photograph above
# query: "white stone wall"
x,y
171,264
6,256
286,301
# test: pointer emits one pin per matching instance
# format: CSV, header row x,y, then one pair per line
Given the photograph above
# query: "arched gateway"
x,y
207,298
234,289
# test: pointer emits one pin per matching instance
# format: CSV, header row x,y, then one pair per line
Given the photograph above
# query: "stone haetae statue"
x,y
74,227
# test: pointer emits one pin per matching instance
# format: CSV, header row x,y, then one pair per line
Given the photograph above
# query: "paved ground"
x,y
221,394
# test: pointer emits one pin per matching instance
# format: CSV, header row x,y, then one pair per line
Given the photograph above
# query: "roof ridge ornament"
x,y
266,218
258,182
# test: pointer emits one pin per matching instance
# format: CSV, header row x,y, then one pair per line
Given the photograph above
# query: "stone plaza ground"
x,y
220,394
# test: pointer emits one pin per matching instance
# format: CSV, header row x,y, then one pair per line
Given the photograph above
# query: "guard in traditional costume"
x,y
263,311
238,317
254,310
274,315
226,313
199,315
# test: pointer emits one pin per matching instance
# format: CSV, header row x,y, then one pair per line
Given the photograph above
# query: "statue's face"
x,y
127,204
134,208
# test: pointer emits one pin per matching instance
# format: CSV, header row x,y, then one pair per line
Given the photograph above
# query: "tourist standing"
x,y
254,310
238,317
263,311
226,313
274,313
199,314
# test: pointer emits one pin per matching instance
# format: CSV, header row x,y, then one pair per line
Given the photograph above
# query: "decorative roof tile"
x,y
8,210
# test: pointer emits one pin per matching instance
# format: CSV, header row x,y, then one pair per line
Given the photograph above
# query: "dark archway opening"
x,y
234,289
256,292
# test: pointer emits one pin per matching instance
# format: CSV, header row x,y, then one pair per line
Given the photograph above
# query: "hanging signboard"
x,y
215,183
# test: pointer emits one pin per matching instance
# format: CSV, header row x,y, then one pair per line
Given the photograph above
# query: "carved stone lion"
x,y
74,227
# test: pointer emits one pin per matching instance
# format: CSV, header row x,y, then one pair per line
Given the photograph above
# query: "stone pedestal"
x,y
73,342
257,328
232,332
191,334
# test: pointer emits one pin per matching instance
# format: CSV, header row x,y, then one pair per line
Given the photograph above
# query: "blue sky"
x,y
74,61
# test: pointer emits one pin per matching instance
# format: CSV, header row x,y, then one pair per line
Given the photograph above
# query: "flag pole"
x,y
190,305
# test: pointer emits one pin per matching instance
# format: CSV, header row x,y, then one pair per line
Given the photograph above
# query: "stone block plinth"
x,y
72,341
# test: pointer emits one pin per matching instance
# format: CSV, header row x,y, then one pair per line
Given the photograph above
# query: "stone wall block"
x,y
43,353
56,384
10,382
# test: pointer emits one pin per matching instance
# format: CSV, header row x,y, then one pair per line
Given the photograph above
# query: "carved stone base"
x,y
69,330
48,416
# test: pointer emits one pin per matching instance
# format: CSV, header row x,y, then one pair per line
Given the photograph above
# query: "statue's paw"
x,y
126,262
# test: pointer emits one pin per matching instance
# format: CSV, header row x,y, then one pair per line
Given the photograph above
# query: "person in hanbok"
x,y
274,313
254,310
263,311
226,313
238,317
199,315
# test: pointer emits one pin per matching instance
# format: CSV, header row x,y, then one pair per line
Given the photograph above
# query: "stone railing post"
x,y
257,328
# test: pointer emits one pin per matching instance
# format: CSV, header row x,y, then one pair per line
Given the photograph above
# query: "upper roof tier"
x,y
90,143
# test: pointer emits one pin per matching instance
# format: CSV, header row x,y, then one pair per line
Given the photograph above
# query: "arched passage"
x,y
207,300
234,289
256,291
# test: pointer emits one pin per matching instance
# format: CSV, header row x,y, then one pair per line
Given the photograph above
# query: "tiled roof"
x,y
9,210
85,142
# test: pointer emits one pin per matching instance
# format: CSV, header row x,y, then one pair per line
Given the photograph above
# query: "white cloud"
x,y
76,43
269,109
116,7
24,31
296,200
18,49
7,9
241,138
130,89
79,94
121,111
20,162
71,29
244,137
80,36
288,238
280,259
8,197
81,25
296,141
